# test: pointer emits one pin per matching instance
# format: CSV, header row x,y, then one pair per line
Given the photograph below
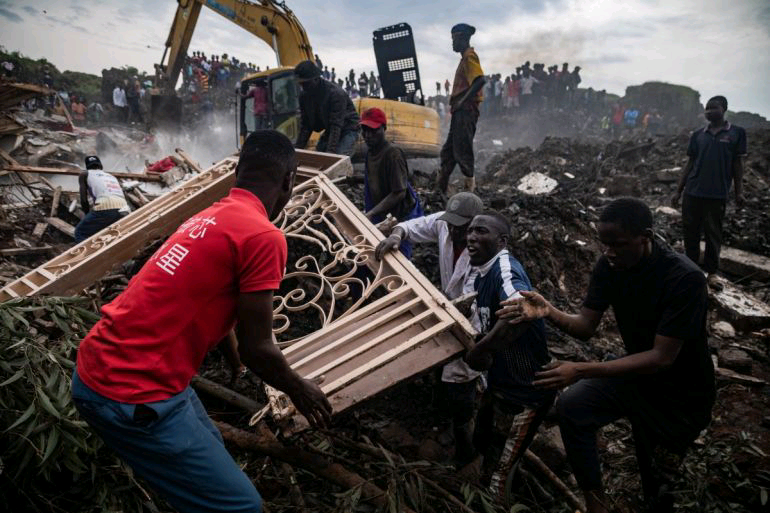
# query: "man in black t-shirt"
x,y
386,177
664,384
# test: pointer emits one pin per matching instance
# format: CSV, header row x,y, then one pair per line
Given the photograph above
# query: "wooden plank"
x,y
188,160
358,315
39,230
385,358
55,201
142,177
360,349
25,251
62,226
737,377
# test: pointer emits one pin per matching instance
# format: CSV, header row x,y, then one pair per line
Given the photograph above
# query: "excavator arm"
x,y
273,22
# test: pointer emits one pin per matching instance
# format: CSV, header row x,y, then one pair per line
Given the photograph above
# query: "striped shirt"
x,y
513,368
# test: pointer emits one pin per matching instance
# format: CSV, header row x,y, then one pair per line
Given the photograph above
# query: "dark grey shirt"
x,y
714,154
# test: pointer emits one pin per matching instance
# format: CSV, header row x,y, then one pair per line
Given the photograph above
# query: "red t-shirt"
x,y
153,337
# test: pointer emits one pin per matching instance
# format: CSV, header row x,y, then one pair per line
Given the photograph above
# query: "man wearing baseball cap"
x,y
386,177
325,107
464,106
108,201
448,230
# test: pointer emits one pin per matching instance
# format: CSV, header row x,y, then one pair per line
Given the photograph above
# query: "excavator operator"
x,y
324,106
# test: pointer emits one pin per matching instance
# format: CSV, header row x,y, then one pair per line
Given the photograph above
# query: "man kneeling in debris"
x,y
664,385
132,381
512,408
109,202
448,229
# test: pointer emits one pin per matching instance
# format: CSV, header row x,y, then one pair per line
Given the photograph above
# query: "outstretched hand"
x,y
311,402
557,374
531,306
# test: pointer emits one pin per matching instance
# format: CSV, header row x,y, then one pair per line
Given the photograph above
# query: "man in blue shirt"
x,y
716,154
512,407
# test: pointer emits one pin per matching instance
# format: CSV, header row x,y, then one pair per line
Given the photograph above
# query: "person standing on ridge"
x,y
464,106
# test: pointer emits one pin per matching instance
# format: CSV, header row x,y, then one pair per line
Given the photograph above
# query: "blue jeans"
x,y
95,221
174,446
347,143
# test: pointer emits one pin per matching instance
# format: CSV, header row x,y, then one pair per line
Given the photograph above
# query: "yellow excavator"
x,y
413,127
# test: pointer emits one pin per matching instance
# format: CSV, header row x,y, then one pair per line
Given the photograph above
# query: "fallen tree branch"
x,y
295,492
536,462
264,442
225,394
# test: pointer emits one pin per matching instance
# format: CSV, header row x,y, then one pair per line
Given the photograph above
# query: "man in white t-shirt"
x,y
448,229
527,81
119,102
101,198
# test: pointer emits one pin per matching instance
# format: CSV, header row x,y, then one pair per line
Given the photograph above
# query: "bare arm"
x,y
262,356
682,181
387,204
83,185
534,306
229,348
662,355
738,164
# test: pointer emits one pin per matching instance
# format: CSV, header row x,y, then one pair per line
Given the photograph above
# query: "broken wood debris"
x,y
143,177
744,311
61,225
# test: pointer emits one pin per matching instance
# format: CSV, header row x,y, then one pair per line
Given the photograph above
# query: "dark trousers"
x,y
458,148
703,216
662,432
95,221
460,405
503,433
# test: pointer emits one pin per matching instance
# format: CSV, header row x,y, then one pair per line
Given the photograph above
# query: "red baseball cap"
x,y
373,118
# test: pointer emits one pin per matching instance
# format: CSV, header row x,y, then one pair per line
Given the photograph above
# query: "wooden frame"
x,y
378,322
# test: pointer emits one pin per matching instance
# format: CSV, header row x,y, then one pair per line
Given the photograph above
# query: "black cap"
x,y
93,162
464,28
306,70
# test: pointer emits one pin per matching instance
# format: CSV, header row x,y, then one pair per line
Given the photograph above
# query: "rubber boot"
x,y
470,184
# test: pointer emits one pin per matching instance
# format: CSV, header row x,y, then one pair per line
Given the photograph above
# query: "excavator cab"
x,y
279,93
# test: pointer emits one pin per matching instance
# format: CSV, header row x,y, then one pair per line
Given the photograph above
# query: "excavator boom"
x,y
271,21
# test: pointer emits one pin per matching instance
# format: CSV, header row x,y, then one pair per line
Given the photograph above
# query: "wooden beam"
x,y
142,177
61,225
39,230
188,160
55,201
25,251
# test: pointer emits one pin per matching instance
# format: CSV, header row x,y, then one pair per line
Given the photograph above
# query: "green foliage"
x,y
49,453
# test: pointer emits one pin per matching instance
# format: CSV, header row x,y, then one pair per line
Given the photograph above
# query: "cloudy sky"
x,y
714,46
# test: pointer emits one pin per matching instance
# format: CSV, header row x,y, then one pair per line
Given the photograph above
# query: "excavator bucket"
x,y
166,110
397,62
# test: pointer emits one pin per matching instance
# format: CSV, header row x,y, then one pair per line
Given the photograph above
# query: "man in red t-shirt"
x,y
132,381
